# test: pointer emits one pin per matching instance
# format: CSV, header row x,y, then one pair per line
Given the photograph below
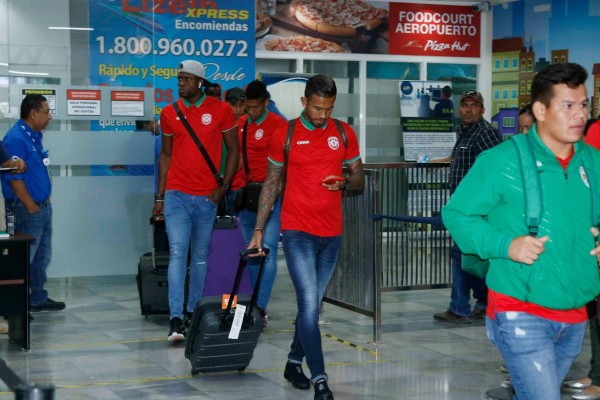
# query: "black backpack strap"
x,y
245,149
532,187
341,130
286,152
196,140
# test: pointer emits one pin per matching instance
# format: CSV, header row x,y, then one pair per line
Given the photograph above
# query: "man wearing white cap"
x,y
188,191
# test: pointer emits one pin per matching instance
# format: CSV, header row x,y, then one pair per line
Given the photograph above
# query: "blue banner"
x,y
141,42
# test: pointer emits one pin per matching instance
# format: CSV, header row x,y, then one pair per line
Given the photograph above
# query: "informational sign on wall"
x,y
84,102
427,115
141,43
434,30
49,94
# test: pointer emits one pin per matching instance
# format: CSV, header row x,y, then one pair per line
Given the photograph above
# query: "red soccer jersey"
x,y
210,118
258,141
315,154
592,136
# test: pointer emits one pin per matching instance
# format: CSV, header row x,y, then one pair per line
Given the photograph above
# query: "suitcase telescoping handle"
x,y
238,278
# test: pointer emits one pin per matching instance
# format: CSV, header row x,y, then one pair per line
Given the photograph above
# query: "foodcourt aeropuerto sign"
x,y
434,30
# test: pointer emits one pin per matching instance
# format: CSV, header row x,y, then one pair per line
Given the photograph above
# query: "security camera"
x,y
483,6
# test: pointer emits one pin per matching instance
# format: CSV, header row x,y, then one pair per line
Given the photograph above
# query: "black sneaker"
x,y
49,305
293,373
177,331
322,391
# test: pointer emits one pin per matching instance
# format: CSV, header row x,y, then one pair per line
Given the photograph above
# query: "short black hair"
x,y
321,86
542,87
31,102
447,91
256,90
527,109
212,89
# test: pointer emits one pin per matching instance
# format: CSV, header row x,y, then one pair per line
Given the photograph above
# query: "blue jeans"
x,y
270,240
538,352
189,219
311,261
38,225
462,284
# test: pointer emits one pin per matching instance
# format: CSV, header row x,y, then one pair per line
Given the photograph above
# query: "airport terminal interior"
x,y
101,348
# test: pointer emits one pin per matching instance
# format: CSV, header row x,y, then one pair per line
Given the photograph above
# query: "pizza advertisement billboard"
x,y
434,30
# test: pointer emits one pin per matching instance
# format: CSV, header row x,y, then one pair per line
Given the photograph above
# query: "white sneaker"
x,y
3,325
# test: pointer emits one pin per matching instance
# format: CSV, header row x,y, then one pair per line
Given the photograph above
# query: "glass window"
x,y
514,93
505,94
497,64
505,63
515,63
383,129
496,95
508,122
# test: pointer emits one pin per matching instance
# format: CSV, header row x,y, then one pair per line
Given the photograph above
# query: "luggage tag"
x,y
225,301
238,319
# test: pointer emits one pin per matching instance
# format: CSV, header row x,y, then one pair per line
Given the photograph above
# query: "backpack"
x,y
288,145
474,265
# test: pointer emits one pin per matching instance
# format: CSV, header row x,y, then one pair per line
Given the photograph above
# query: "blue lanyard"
x,y
43,154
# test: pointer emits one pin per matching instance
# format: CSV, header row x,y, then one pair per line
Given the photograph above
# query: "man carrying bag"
x,y
256,129
188,190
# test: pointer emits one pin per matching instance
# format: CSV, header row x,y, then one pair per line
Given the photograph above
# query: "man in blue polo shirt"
x,y
27,195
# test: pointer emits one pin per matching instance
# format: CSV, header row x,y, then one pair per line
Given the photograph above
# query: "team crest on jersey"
x,y
206,119
584,177
259,134
333,142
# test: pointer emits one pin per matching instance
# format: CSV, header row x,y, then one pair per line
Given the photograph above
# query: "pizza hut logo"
x,y
206,119
333,142
259,134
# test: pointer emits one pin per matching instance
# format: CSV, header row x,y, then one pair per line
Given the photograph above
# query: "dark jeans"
x,y
38,225
594,373
462,285
311,261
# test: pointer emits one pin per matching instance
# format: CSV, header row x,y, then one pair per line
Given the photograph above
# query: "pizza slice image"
x,y
337,17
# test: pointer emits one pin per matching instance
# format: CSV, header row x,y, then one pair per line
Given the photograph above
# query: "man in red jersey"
x,y
255,130
188,191
311,217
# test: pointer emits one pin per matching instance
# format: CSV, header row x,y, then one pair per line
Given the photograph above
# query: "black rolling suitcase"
x,y
208,346
153,285
152,282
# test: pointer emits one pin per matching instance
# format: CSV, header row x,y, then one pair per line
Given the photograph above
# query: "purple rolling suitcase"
x,y
208,346
226,243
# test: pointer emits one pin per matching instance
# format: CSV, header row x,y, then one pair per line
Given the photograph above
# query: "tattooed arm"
x,y
268,196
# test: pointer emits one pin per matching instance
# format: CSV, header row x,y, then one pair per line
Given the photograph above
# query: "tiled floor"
x,y
100,347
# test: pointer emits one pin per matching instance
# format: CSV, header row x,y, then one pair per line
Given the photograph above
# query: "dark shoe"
x,y
478,313
449,316
322,391
264,316
177,331
293,373
49,305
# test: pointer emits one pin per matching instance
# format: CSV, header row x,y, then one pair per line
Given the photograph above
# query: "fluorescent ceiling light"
x,y
4,64
28,73
69,28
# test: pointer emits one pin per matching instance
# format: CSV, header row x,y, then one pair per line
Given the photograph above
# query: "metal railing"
x,y
393,237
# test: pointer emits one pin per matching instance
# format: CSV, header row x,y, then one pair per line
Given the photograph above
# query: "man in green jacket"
x,y
538,285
